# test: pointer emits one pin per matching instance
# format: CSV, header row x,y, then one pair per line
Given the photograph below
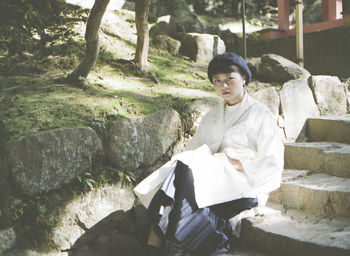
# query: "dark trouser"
x,y
203,231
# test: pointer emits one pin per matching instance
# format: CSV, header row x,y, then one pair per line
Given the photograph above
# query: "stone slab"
x,y
242,251
297,234
322,157
318,193
89,209
275,68
297,105
201,47
269,97
141,141
330,94
44,161
335,129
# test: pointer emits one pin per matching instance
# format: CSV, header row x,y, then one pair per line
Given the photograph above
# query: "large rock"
x,y
194,111
255,86
201,47
116,25
111,244
186,22
233,42
330,94
167,43
88,209
120,233
275,68
297,104
7,239
254,65
161,28
192,114
269,97
140,141
129,5
45,161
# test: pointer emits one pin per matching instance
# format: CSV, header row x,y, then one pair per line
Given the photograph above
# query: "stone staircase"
x,y
310,213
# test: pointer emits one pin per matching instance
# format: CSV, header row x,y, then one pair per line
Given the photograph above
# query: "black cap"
x,y
229,58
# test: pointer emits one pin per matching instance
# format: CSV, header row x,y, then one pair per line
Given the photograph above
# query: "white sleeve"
x,y
265,170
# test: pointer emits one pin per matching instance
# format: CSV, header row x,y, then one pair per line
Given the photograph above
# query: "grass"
x,y
176,72
31,99
32,104
40,104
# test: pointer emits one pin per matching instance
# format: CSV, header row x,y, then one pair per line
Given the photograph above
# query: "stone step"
x,y
295,233
243,251
324,157
336,129
314,192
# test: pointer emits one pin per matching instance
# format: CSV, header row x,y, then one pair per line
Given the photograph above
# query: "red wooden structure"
x,y
332,16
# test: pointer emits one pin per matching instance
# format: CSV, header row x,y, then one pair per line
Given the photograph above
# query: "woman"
x,y
230,165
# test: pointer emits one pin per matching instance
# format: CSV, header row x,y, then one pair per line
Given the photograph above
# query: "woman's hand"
x,y
236,163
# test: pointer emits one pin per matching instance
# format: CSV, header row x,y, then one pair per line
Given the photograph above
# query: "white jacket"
x,y
252,138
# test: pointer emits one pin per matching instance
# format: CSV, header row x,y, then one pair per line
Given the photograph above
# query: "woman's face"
x,y
230,87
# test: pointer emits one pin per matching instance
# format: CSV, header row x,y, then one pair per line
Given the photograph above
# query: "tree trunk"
x,y
141,16
92,41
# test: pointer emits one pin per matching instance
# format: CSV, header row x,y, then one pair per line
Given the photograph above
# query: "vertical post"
x,y
325,10
346,12
331,9
299,32
283,14
243,28
215,46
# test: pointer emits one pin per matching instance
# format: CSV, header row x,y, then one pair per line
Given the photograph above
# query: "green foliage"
x,y
86,180
172,70
20,19
38,47
126,177
18,211
34,219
